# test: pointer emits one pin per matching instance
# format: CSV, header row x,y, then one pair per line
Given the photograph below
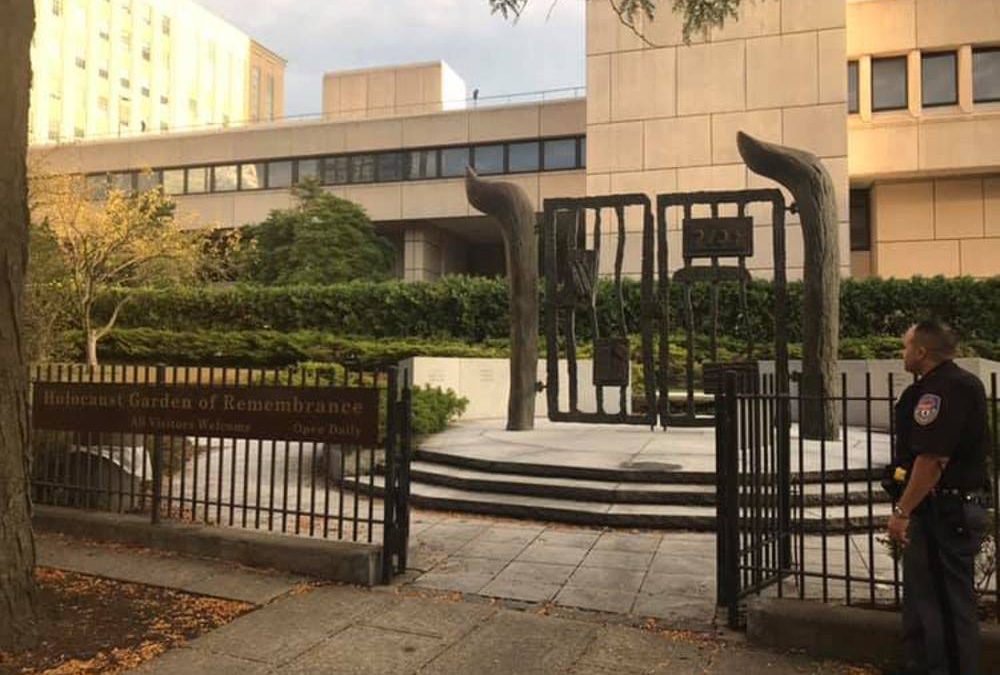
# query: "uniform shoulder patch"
x,y
927,409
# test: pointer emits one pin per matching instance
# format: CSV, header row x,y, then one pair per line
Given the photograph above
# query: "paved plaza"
x,y
302,627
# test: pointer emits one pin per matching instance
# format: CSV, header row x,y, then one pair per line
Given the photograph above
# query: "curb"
x,y
348,562
843,633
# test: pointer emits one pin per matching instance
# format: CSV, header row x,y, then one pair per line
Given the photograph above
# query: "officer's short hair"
x,y
937,338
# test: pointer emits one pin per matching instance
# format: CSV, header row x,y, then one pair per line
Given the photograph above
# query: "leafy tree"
x,y
699,15
98,242
322,240
18,613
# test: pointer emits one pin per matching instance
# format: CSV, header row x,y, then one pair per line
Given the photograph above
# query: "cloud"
x,y
539,52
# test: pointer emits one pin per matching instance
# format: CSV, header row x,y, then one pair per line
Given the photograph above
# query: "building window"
x,y
889,89
307,169
421,164
488,159
104,34
279,174
362,169
939,79
252,176
559,154
57,7
166,25
145,91
125,82
224,178
81,63
103,73
335,170
164,100
148,180
390,167
97,187
852,87
524,157
861,231
986,75
270,97
197,180
255,94
146,52
173,181
78,132
123,181
102,103
454,161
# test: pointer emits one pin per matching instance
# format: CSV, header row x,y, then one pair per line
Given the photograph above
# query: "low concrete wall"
x,y
486,383
333,560
843,633
880,371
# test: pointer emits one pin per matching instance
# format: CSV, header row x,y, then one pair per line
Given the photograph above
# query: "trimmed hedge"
x,y
267,348
475,309
272,349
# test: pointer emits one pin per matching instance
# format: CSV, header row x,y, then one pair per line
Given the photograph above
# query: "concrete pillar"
x,y
965,78
422,254
865,88
914,82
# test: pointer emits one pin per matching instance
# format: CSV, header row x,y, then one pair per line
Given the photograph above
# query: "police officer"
x,y
941,517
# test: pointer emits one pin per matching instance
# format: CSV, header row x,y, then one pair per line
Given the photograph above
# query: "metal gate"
x,y
587,238
573,246
753,490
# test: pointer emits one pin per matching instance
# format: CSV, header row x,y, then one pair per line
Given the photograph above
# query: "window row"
x,y
938,80
555,154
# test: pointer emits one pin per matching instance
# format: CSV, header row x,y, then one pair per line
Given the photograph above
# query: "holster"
x,y
891,482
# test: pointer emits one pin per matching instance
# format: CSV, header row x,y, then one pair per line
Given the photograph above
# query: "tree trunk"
x,y
17,548
91,347
510,206
807,179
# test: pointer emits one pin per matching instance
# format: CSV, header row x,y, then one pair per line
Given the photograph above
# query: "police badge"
x,y
927,409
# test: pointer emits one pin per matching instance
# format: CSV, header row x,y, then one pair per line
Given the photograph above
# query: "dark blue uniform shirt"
x,y
944,414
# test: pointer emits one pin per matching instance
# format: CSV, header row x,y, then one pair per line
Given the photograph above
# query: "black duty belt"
x,y
971,496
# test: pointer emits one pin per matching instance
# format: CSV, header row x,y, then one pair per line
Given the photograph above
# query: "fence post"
x,y
389,499
727,499
161,378
783,404
406,455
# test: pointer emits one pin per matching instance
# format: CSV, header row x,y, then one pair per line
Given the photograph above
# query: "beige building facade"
x,y
866,85
928,158
120,68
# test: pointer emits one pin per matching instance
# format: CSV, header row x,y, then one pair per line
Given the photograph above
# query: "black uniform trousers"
x,y
940,620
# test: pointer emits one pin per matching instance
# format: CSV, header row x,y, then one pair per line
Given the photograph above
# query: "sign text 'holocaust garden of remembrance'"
x,y
318,414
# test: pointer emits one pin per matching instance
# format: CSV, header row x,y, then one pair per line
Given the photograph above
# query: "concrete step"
x,y
613,492
454,457
672,516
584,490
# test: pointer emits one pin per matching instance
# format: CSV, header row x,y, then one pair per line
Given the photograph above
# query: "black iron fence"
x,y
216,476
807,518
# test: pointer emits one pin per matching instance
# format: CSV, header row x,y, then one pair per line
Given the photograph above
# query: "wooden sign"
x,y
317,414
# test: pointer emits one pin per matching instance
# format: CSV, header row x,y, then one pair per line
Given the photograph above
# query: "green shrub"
x,y
434,409
475,309
270,348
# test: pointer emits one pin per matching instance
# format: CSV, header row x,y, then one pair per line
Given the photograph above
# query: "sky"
x,y
543,51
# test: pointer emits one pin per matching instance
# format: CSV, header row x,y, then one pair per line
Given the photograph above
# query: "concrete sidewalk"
x,y
303,628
